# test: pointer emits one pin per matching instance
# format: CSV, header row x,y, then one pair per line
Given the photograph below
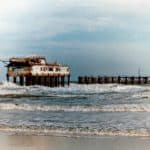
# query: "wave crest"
x,y
73,132
54,108
75,89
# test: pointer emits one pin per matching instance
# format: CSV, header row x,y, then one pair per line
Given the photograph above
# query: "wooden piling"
x,y
86,80
55,81
62,80
126,80
14,80
28,80
99,80
119,80
68,80
112,79
132,80
21,80
7,76
145,80
42,80
47,82
33,80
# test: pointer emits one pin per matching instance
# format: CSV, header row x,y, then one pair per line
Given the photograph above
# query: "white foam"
x,y
10,88
105,108
73,132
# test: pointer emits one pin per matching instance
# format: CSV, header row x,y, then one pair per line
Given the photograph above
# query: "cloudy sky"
x,y
108,37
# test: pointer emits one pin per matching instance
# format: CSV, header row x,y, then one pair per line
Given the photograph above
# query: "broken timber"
x,y
113,79
36,71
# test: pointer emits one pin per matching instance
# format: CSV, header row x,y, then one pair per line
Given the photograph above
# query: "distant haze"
x,y
94,37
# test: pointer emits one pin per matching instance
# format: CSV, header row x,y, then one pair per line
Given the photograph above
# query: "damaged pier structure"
x,y
35,70
114,79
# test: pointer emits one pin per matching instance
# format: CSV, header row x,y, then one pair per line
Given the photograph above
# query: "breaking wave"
x,y
73,132
54,108
75,89
23,112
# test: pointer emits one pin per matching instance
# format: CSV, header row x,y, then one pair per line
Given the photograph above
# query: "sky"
x,y
93,37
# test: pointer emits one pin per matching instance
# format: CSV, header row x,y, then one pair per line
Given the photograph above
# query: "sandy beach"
x,y
8,142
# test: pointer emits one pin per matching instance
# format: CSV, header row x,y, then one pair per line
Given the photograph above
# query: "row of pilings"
x,y
50,81
113,79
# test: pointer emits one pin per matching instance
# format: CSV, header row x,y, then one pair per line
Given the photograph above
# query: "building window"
x,y
50,69
43,68
57,69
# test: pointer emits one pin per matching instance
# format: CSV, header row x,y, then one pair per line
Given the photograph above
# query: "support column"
x,y
106,79
28,80
86,80
45,81
33,80
99,80
119,78
39,80
21,80
132,80
81,80
58,81
112,79
14,80
36,80
55,81
42,80
126,80
7,76
50,81
145,80
68,80
62,80
139,80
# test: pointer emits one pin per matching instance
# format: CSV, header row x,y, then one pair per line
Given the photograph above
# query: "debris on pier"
x,y
35,70
113,79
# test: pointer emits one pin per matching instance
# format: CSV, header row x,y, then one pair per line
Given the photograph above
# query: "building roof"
x,y
30,61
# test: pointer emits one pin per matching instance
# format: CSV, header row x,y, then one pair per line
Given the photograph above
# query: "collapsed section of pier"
x,y
36,71
114,79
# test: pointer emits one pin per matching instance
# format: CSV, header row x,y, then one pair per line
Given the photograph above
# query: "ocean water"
x,y
78,110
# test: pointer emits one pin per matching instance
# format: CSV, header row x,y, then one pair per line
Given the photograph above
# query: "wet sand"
x,y
78,143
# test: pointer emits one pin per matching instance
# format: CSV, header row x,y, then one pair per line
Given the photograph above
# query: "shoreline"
x,y
18,142
70,133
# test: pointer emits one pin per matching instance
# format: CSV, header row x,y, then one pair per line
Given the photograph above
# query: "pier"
x,y
114,79
36,71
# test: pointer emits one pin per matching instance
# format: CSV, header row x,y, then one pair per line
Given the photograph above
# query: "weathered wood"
x,y
37,71
62,80
33,80
7,76
107,79
14,79
21,80
28,80
68,80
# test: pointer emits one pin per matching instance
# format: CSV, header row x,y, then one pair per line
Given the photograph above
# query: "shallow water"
x,y
90,110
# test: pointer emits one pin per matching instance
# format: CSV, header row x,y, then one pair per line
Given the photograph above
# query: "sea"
x,y
77,110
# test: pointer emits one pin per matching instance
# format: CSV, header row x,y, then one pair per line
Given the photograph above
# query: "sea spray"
x,y
89,110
